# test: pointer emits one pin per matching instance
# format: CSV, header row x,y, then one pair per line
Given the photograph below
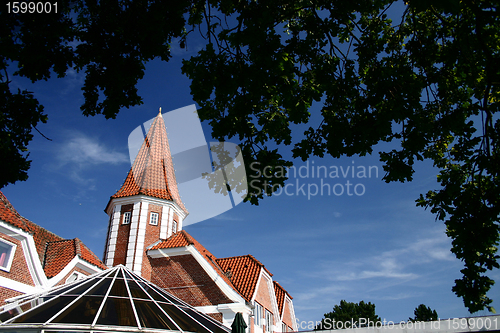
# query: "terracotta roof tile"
x,y
89,256
179,239
153,173
41,236
54,251
60,253
244,272
280,296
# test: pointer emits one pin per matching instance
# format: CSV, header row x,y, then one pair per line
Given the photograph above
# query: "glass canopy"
x,y
115,300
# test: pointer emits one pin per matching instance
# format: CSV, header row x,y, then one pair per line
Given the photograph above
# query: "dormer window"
x,y
174,227
126,218
153,219
7,250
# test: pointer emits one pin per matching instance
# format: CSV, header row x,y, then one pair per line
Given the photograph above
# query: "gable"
x,y
185,278
288,314
244,272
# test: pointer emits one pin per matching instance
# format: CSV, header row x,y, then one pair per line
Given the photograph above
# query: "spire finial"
x,y
159,111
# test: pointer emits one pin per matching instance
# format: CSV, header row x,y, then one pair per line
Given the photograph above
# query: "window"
x,y
284,328
126,218
269,321
75,276
257,314
153,220
7,250
174,227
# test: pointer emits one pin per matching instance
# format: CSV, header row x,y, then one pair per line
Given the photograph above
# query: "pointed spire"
x,y
152,173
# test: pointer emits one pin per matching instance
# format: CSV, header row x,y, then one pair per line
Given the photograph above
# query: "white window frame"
x,y
75,276
11,252
126,217
154,221
257,314
174,227
269,321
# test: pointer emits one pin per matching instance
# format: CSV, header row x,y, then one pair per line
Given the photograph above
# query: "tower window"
x,y
153,219
126,218
174,227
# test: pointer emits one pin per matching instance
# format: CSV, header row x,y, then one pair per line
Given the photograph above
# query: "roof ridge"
x,y
187,236
10,207
152,172
77,243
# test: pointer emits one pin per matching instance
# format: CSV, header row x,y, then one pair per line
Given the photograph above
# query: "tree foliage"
x,y
349,315
424,313
110,41
422,75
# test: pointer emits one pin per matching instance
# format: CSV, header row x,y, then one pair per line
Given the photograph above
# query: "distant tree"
x,y
424,313
349,314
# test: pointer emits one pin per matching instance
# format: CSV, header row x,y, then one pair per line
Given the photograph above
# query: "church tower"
x,y
148,207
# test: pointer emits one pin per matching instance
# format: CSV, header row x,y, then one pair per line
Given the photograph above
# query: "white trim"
x,y
19,286
140,237
125,215
155,220
172,252
29,251
292,312
170,221
165,210
150,200
134,224
207,309
252,299
113,233
76,262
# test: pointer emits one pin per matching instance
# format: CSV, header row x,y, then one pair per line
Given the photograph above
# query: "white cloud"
x,y
79,153
82,150
411,263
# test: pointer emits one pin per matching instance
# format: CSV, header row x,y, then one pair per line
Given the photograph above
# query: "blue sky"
x,y
377,247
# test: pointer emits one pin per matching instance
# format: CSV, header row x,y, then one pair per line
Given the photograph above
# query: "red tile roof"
x,y
153,173
59,254
244,272
52,249
280,296
41,236
179,239
241,272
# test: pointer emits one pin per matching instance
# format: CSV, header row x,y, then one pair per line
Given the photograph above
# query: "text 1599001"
x,y
31,7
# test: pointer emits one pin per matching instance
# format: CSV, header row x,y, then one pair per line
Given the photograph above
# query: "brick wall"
x,y
263,296
19,269
6,293
264,299
152,236
185,278
122,238
287,316
216,316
